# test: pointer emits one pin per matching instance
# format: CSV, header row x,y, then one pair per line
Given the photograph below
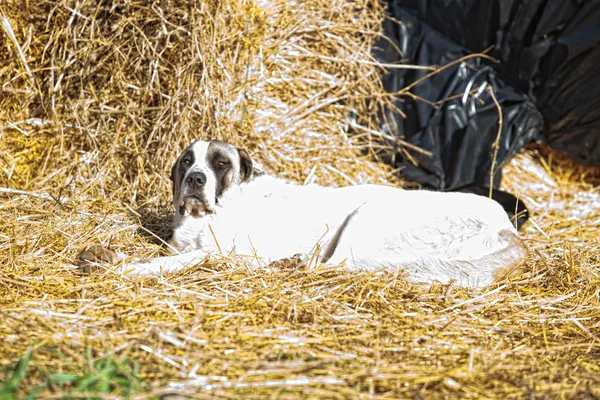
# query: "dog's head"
x,y
203,172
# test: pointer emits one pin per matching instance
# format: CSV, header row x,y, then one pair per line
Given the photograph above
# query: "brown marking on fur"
x,y
177,177
218,151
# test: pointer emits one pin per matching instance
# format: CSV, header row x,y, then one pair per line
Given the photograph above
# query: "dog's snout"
x,y
196,179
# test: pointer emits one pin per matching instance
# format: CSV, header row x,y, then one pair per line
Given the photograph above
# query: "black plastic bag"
x,y
547,82
549,58
548,49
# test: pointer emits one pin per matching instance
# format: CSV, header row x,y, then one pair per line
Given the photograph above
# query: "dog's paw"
x,y
95,257
297,261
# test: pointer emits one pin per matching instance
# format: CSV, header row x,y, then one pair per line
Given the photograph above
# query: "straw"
x,y
97,99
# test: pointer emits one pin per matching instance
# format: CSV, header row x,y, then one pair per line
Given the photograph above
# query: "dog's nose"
x,y
196,179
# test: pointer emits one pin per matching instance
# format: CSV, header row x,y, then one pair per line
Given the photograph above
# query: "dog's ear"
x,y
245,165
172,176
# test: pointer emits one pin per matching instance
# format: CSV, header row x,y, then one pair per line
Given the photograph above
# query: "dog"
x,y
224,205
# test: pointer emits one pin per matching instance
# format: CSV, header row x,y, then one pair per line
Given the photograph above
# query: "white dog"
x,y
222,207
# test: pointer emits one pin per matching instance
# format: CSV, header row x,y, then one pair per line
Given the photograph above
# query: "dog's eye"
x,y
186,161
222,163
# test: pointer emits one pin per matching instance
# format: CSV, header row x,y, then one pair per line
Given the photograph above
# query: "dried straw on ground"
x,y
97,100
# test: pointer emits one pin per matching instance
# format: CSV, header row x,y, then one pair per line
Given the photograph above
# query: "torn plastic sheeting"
x,y
451,114
548,50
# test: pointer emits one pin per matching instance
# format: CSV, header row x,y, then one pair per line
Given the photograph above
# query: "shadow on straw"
x,y
155,221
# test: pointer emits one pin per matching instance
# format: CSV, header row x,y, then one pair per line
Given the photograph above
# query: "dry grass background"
x,y
96,101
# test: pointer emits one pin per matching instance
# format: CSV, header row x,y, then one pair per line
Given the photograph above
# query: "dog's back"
x,y
433,236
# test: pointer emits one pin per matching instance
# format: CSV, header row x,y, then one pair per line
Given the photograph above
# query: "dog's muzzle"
x,y
194,206
193,199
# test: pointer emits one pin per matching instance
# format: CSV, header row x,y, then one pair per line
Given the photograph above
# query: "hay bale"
x,y
97,100
126,85
107,95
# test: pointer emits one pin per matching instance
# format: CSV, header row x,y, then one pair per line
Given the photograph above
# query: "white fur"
x,y
200,149
433,236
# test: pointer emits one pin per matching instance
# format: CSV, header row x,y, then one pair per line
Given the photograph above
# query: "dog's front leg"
x,y
97,257
159,265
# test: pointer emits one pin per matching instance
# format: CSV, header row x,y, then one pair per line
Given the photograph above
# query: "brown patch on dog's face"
x,y
223,160
178,173
230,165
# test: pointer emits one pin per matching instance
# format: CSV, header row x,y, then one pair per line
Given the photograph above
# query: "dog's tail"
x,y
335,240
